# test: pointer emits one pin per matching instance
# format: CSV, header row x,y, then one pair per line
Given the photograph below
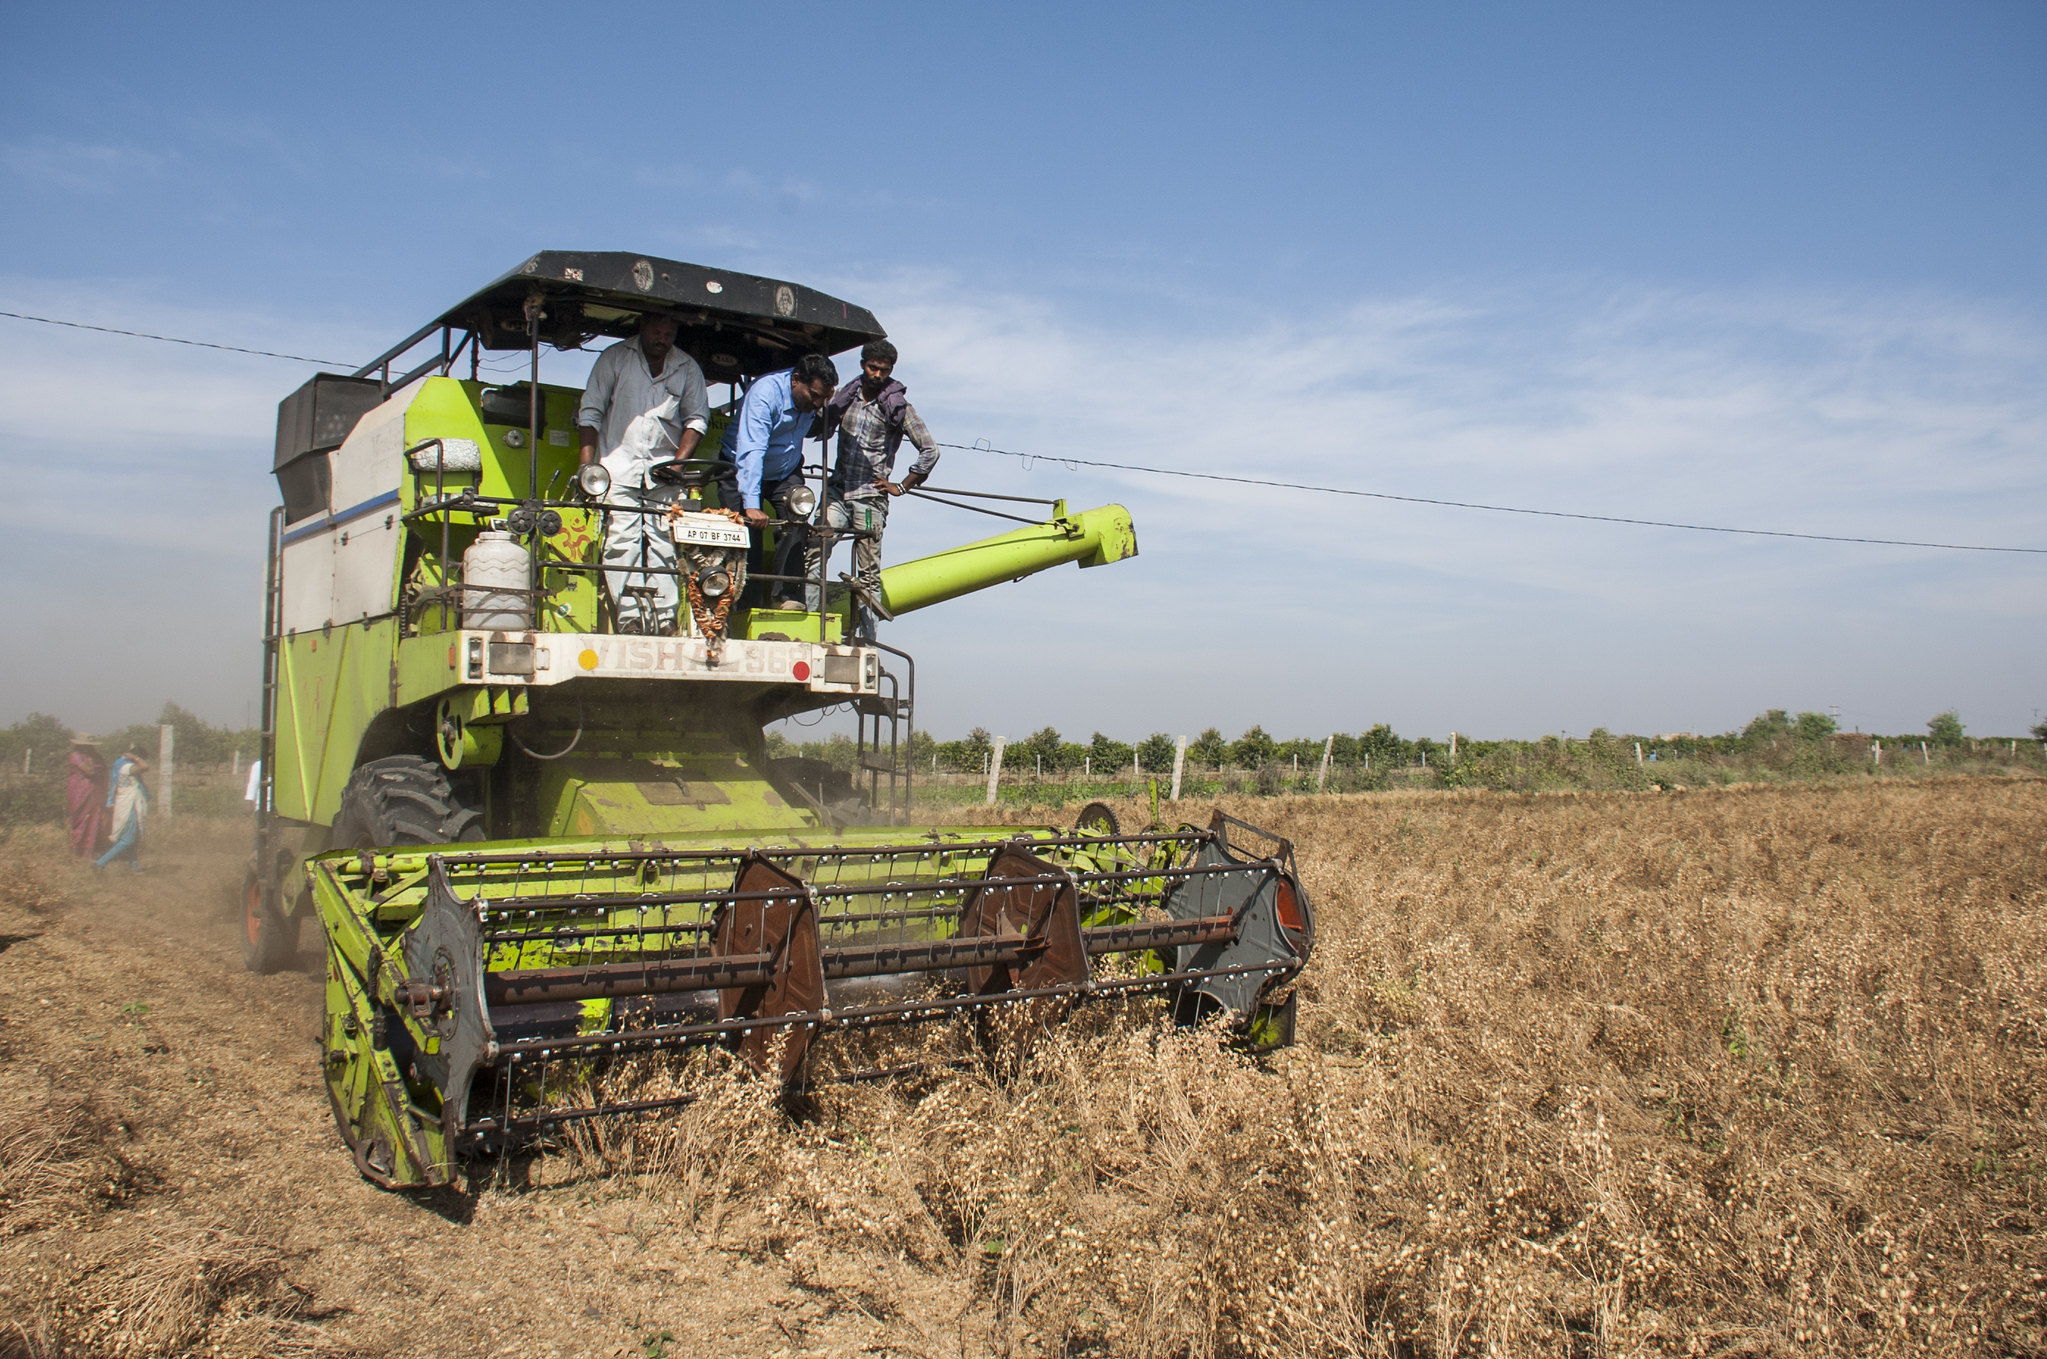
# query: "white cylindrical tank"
x,y
495,571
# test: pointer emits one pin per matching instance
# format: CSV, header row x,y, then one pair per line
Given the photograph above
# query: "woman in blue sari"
x,y
128,799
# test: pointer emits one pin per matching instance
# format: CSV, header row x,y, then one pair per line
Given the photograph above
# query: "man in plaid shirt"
x,y
872,416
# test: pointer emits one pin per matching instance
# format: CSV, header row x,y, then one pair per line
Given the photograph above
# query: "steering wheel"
x,y
686,471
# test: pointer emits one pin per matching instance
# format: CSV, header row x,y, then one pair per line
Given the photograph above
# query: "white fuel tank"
x,y
495,574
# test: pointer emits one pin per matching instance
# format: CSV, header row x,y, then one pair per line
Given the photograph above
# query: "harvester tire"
x,y
402,800
270,937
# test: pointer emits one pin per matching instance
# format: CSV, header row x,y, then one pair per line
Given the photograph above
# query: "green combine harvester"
x,y
553,861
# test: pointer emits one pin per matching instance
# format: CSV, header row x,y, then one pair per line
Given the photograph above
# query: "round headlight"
x,y
801,501
593,479
714,583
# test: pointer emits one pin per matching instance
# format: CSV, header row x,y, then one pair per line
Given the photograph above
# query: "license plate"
x,y
710,530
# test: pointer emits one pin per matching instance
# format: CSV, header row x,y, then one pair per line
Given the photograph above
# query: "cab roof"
x,y
734,325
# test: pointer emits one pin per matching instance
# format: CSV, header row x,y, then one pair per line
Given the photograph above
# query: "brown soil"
x,y
1756,1071
165,1114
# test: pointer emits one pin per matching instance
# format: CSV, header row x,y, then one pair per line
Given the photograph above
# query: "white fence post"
x,y
1322,774
1453,747
166,762
1924,757
994,769
1179,763
1638,752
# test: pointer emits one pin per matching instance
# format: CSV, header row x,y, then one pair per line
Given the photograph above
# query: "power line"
x,y
1206,476
172,339
1474,505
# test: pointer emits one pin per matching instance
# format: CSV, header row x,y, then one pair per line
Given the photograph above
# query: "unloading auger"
x,y
554,861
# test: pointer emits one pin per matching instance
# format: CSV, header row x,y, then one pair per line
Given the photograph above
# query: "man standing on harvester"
x,y
644,404
872,415
764,444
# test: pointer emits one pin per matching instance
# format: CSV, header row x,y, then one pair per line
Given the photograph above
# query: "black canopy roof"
x,y
734,325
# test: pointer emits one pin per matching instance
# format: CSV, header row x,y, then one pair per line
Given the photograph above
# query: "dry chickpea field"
x,y
1748,1071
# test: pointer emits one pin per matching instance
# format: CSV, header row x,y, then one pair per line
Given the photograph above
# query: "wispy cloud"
x,y
1892,416
1898,417
82,167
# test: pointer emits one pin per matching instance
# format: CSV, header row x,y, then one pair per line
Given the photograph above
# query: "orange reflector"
x,y
1288,908
588,659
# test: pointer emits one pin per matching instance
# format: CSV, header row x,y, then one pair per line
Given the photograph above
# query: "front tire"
x,y
402,800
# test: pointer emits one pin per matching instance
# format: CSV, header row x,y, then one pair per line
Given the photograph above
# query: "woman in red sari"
x,y
85,797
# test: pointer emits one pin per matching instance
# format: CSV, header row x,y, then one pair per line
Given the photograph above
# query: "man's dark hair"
x,y
877,351
816,368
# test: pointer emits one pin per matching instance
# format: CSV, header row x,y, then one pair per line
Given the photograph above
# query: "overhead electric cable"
x,y
172,339
1474,505
1210,476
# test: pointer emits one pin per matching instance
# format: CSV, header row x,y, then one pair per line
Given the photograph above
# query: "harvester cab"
x,y
547,844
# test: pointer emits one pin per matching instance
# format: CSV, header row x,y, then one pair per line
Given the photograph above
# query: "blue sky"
x,y
1761,265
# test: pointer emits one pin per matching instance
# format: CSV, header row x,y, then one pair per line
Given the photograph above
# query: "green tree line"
x,y
1775,731
45,740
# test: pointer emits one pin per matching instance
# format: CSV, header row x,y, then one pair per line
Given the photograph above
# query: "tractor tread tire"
x,y
270,937
402,800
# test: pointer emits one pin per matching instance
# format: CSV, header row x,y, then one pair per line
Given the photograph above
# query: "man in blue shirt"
x,y
764,444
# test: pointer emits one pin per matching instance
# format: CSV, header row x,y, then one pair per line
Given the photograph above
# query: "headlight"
x,y
593,479
714,583
801,501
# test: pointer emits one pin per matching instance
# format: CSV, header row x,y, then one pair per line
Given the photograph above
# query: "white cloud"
x,y
1911,417
1915,418
81,167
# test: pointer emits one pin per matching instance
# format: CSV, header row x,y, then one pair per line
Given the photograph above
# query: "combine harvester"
x,y
551,860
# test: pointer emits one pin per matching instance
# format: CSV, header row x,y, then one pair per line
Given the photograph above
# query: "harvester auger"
x,y
550,857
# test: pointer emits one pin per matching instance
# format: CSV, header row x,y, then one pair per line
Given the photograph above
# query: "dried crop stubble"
x,y
1755,1071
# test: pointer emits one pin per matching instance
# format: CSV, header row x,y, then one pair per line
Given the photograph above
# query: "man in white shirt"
x,y
644,405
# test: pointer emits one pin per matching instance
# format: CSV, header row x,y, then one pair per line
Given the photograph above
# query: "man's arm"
x,y
596,401
927,453
693,407
750,430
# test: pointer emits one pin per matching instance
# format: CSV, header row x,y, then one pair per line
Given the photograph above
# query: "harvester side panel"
x,y
333,683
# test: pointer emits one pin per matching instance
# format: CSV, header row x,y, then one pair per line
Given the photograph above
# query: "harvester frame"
x,y
543,850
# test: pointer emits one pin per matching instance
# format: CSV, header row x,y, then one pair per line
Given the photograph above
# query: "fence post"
x,y
1638,752
1322,774
1179,763
1924,757
994,769
166,768
1453,747
1876,752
